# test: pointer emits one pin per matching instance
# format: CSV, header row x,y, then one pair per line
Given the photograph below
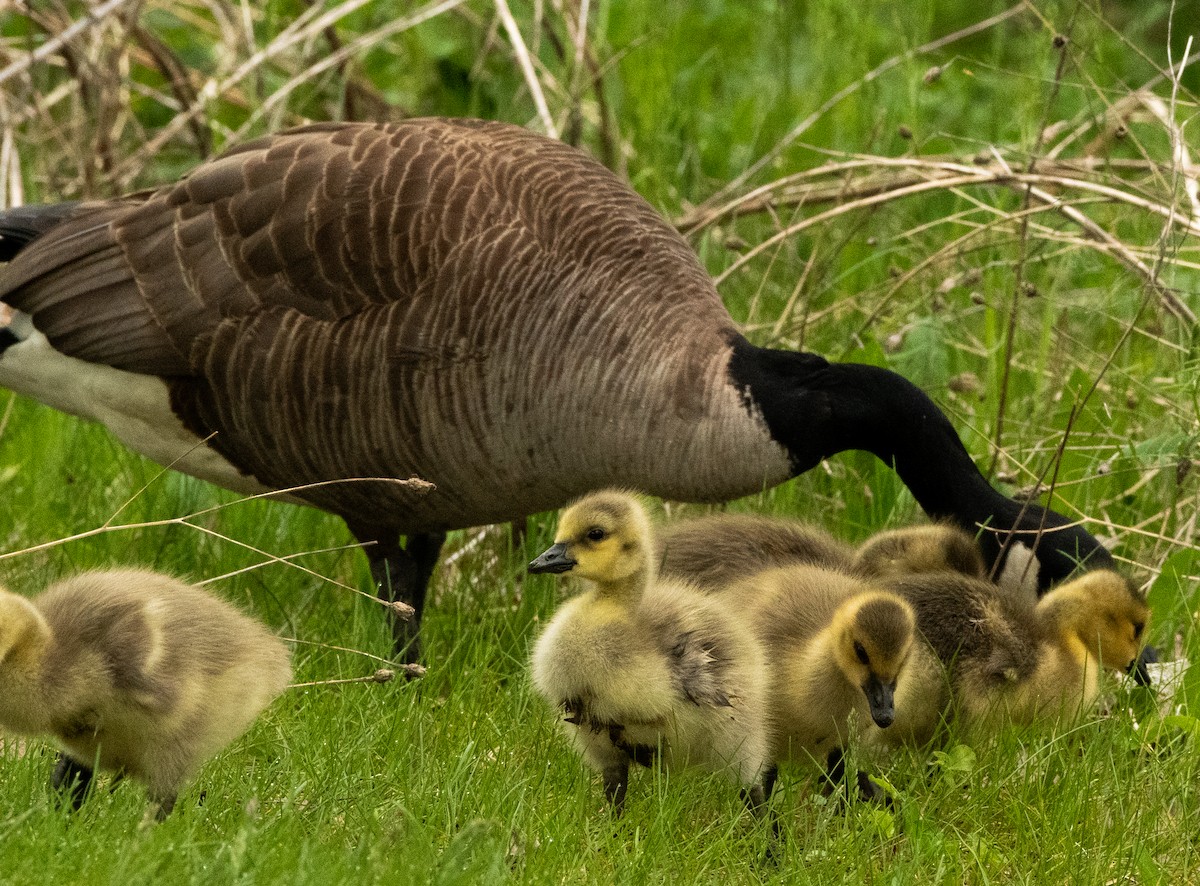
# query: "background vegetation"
x,y
1000,201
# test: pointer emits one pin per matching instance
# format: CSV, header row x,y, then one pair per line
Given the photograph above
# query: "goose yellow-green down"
x,y
640,666
139,671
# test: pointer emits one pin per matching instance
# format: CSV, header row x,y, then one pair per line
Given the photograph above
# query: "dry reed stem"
x,y
93,18
303,29
382,675
945,175
526,65
401,609
354,47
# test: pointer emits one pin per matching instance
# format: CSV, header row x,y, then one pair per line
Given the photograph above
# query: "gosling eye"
x,y
861,653
596,534
1138,627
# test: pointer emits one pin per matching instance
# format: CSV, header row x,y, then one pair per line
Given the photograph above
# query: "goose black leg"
x,y
770,776
402,574
71,780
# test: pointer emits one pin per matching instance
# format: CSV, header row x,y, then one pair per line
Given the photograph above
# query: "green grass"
x,y
462,777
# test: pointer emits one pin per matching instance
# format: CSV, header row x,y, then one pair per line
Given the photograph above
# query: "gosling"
x,y
936,547
837,646
642,667
1092,623
716,550
1011,662
136,671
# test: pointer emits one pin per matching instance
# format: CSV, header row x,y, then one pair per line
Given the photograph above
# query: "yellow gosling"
x,y
643,668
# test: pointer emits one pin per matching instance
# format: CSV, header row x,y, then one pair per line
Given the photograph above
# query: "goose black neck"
x,y
815,409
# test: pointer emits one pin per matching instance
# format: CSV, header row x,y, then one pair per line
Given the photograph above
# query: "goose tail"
x,y
20,226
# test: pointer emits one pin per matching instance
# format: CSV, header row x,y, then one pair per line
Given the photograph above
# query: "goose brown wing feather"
x,y
384,300
327,220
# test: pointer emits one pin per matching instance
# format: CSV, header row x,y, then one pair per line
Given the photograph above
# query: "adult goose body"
x,y
458,300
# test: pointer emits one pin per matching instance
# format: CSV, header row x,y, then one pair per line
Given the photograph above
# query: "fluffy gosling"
x,y
1010,662
642,667
719,549
935,547
836,645
136,671
1092,623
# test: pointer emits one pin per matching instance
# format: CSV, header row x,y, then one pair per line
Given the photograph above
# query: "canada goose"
x,y
1008,661
140,671
719,549
641,667
835,645
433,298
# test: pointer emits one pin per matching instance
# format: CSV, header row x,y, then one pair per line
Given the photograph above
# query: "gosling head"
x,y
1106,612
604,537
918,549
23,630
874,633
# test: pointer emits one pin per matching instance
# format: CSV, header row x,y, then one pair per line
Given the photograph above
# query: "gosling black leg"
x,y
835,781
755,797
71,780
164,803
616,781
835,772
402,574
873,792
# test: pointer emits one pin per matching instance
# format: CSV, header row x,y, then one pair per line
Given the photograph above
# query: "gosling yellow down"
x,y
642,667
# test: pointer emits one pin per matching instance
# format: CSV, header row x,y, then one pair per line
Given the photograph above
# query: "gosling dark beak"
x,y
881,700
553,559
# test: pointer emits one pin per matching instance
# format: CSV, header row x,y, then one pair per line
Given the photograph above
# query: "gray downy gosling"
x,y
642,667
139,672
718,549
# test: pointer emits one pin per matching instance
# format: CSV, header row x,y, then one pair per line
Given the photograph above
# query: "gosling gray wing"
x,y
699,665
105,647
695,643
